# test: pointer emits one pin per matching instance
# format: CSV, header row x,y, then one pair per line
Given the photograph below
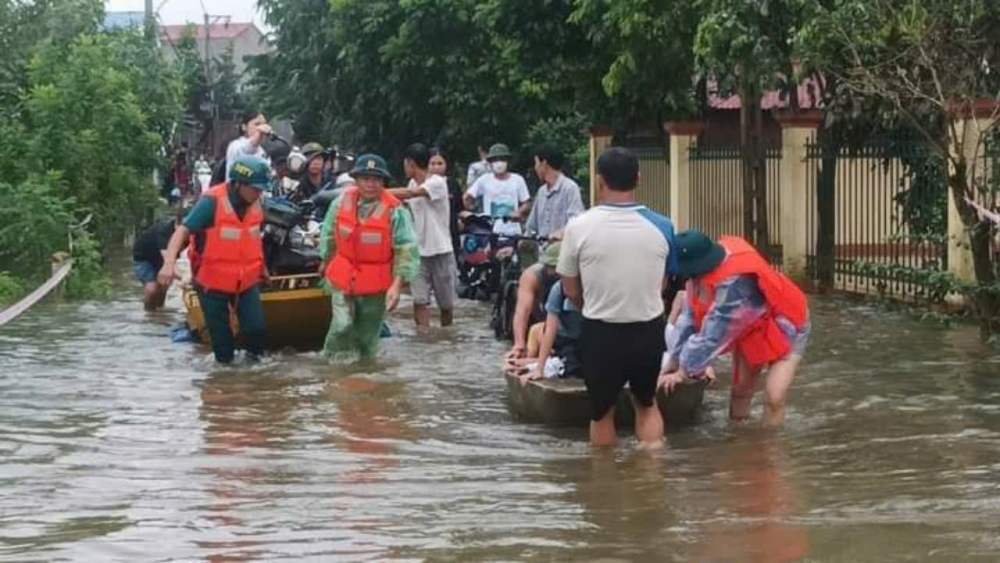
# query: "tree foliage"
x,y
378,74
83,125
929,63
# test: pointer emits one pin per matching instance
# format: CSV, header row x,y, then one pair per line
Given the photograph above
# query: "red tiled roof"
x,y
808,92
173,33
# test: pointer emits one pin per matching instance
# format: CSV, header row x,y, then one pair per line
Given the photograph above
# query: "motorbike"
x,y
290,237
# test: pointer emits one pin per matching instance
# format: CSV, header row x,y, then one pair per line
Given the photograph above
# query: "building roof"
x,y
173,33
809,92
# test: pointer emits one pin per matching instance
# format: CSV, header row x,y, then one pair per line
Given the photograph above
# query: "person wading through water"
x,y
427,197
369,249
227,257
736,302
615,261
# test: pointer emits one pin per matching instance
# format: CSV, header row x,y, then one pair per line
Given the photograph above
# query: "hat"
x,y
312,149
498,151
550,257
250,170
371,165
697,254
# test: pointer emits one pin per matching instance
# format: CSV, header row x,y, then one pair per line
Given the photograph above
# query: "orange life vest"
x,y
363,264
233,258
764,342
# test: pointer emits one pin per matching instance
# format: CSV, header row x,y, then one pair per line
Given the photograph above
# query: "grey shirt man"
x,y
554,206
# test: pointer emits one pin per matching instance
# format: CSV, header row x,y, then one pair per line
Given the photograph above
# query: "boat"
x,y
296,310
564,403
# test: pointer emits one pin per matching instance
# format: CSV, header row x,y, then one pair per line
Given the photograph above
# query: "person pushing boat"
x,y
369,249
228,262
736,302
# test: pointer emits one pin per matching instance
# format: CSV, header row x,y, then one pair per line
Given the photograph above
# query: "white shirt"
x,y
501,198
431,216
240,147
621,255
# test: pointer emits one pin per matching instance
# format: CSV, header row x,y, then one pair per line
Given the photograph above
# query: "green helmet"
x,y
312,149
371,165
250,170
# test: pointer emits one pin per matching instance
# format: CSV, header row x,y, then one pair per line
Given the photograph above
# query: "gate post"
x,y
600,139
683,136
797,131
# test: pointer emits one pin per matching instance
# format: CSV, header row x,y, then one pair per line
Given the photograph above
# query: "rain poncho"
x,y
357,321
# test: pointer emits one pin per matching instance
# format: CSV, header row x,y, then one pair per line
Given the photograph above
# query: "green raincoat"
x,y
357,321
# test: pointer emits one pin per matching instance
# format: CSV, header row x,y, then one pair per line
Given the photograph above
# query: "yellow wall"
x,y
654,184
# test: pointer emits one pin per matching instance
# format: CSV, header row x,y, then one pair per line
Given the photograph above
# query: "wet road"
x,y
117,445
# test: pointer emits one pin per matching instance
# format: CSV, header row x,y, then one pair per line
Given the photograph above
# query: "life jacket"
x,y
363,263
764,342
232,260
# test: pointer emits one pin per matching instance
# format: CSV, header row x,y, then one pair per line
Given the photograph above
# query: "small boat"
x,y
296,311
564,402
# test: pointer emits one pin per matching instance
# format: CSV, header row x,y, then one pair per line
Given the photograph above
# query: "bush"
x,y
10,289
34,222
88,280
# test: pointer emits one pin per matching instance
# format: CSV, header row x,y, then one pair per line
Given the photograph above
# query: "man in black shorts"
x,y
614,264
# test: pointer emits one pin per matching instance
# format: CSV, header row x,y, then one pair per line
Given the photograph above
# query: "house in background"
x,y
244,39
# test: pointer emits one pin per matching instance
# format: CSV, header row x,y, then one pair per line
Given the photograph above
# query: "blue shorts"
x,y
144,272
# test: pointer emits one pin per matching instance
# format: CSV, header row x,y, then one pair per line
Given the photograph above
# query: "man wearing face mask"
x,y
505,194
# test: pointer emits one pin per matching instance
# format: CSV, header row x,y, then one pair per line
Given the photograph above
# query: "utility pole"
x,y
213,101
150,22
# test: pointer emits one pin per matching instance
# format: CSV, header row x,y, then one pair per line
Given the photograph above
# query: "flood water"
x,y
117,445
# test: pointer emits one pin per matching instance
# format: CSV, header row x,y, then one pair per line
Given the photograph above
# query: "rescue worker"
x,y
736,302
369,249
228,257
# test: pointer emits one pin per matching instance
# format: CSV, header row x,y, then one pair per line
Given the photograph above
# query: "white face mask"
x,y
499,167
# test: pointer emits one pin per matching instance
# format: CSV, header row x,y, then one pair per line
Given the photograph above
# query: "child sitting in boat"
x,y
558,355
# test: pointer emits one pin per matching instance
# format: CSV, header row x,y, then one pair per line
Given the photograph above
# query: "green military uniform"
x,y
216,305
357,320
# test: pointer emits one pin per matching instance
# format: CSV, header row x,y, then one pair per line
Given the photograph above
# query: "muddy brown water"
x,y
117,445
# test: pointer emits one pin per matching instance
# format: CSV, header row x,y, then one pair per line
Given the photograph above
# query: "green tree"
x,y
926,61
746,47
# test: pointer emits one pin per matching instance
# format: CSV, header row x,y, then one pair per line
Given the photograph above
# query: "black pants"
x,y
613,354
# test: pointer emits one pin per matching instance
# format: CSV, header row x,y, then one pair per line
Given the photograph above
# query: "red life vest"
x,y
363,264
764,342
233,258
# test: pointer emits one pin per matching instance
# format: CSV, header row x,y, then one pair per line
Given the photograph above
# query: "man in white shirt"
x,y
427,197
614,263
505,194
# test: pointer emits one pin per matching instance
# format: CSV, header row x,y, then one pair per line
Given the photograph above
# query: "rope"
x,y
34,297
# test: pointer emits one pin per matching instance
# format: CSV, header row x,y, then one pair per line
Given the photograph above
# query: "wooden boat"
x,y
296,310
564,402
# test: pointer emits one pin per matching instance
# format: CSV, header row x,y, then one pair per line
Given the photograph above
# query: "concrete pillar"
x,y
683,136
600,140
971,124
797,131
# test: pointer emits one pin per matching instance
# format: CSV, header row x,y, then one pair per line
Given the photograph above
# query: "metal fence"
x,y
887,205
716,175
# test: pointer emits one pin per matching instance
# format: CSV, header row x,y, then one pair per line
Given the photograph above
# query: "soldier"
x,y
369,249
